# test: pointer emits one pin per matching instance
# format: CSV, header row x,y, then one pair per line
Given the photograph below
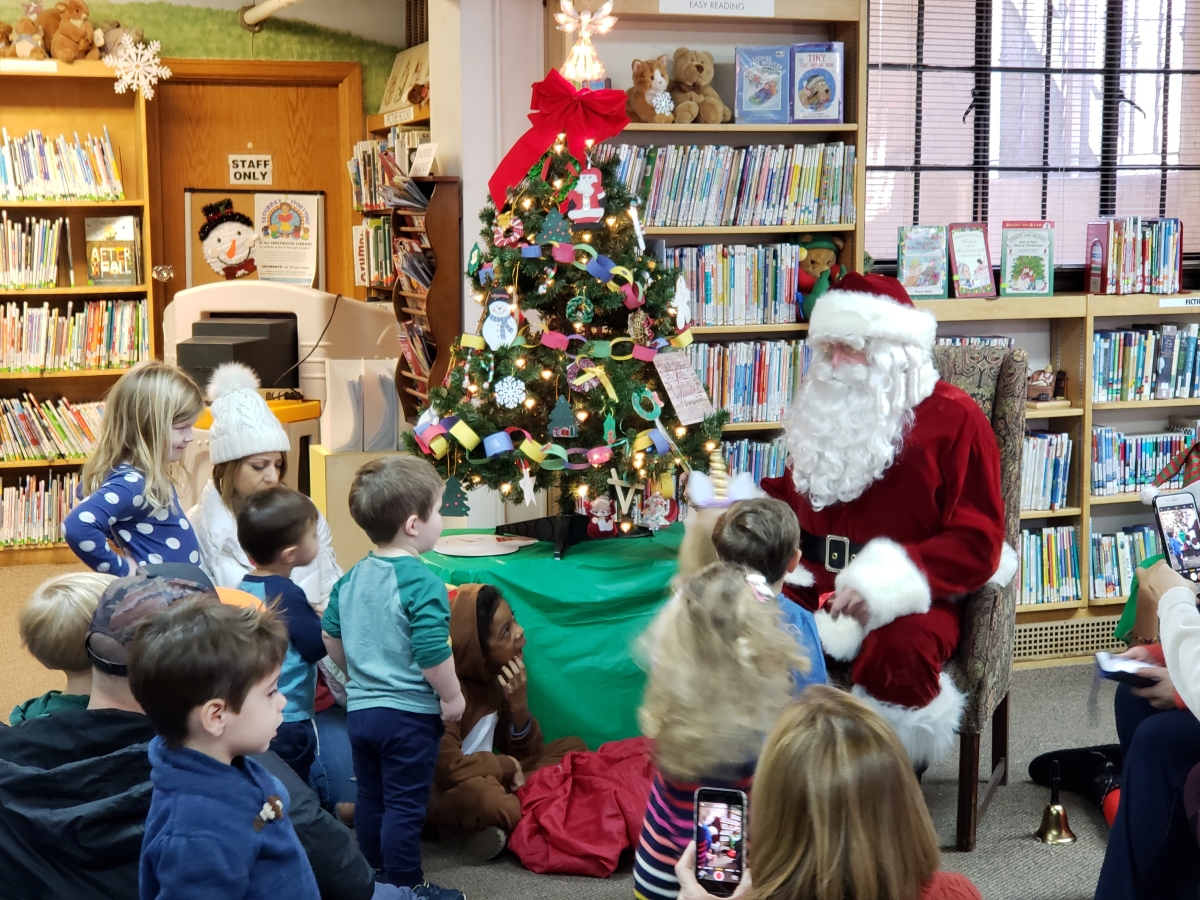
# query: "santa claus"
x,y
895,478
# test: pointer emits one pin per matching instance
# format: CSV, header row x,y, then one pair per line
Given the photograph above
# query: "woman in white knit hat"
x,y
247,446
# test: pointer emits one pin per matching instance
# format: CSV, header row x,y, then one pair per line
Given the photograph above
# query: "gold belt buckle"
x,y
837,553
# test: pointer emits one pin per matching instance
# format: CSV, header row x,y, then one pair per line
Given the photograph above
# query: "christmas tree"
x,y
454,499
559,381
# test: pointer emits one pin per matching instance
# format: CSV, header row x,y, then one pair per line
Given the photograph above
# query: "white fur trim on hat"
x,y
243,424
857,314
927,732
888,580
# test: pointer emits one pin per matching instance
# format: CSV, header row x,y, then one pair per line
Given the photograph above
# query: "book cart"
x,y
68,99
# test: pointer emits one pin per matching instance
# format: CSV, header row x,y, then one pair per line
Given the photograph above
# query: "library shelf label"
x,y
763,8
399,116
249,168
1177,301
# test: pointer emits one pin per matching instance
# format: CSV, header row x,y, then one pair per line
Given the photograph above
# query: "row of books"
x,y
104,334
709,185
62,430
37,168
1049,566
738,284
1115,556
33,509
762,459
377,180
414,346
1146,362
32,252
982,340
931,260
1045,470
1124,464
372,240
403,143
753,380
1131,255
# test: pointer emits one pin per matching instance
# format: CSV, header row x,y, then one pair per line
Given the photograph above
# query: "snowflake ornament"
x,y
137,66
510,392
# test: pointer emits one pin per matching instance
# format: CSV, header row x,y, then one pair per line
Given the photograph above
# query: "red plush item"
x,y
579,816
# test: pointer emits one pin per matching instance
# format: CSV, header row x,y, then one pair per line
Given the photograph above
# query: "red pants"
x,y
900,662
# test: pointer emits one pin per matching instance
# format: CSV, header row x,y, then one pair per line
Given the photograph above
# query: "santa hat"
x,y
865,308
1186,461
243,424
218,214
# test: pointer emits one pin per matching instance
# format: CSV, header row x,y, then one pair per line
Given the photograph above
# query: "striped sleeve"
x,y
666,831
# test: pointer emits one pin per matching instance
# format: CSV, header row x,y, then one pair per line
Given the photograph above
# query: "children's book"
x,y
763,75
970,263
921,261
817,82
113,248
1027,259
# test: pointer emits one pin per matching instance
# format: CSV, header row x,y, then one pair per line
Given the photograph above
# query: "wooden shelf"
x,y
785,11
380,125
1146,404
77,373
702,230
752,426
973,309
72,204
84,290
1143,305
39,463
1108,601
1114,499
1063,412
37,554
1065,512
1048,607
693,128
700,331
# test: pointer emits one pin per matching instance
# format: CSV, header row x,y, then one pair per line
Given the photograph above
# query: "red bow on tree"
x,y
558,108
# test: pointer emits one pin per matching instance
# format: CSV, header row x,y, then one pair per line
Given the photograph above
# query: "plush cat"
x,y
648,100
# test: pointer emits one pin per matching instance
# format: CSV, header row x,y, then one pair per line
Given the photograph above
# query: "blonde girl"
x,y
129,481
837,812
720,673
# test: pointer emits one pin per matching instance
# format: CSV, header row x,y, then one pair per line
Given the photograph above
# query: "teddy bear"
x,y
819,268
75,37
26,40
5,37
648,100
695,100
109,36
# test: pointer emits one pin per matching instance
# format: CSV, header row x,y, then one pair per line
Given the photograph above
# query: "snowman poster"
x,y
227,240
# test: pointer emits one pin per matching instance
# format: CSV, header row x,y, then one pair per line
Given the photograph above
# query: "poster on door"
x,y
232,235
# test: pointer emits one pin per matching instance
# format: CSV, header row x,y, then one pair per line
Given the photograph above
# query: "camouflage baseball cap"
x,y
130,601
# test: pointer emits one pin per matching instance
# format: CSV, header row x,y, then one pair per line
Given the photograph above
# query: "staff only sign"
x,y
249,169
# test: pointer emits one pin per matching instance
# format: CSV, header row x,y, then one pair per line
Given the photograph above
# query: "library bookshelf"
x,y
64,99
642,32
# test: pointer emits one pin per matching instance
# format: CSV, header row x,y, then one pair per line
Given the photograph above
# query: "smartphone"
x,y
720,832
1124,670
1179,530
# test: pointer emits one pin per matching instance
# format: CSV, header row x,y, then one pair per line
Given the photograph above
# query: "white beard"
x,y
845,427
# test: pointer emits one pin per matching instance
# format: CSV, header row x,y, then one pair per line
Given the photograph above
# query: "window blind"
x,y
986,110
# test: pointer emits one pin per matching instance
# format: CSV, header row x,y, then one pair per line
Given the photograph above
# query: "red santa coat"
x,y
932,525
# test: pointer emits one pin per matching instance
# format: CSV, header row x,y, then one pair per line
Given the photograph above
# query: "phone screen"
x,y
720,818
1179,528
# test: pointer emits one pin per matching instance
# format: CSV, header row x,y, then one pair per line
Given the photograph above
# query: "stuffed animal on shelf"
x,y
601,515
819,268
691,89
5,37
649,100
75,37
26,41
109,36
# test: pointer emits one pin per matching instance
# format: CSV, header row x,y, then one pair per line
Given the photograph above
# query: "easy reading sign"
x,y
249,169
757,8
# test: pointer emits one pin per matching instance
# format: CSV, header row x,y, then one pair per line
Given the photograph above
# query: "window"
x,y
985,110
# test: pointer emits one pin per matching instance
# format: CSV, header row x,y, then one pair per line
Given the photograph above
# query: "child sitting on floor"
x,y
278,530
720,673
54,626
485,757
763,534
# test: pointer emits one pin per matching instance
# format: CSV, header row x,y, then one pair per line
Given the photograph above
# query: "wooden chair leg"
x,y
1000,739
968,792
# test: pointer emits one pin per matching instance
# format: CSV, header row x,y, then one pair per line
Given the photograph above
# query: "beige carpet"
x,y
21,676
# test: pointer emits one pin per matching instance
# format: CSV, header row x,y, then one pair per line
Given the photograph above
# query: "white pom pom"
x,y
230,377
1148,493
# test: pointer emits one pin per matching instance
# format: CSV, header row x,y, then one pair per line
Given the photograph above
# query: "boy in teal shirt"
x,y
387,627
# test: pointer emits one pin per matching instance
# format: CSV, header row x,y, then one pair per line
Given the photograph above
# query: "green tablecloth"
x,y
581,615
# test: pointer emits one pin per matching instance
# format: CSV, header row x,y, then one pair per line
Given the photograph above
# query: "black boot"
x,y
1090,772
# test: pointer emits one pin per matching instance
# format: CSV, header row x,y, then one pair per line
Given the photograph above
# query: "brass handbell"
x,y
1054,828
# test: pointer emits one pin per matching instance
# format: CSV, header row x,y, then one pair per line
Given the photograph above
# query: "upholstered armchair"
x,y
982,666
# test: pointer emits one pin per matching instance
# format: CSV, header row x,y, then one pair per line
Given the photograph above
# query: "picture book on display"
x,y
921,261
762,75
1132,255
1027,259
970,262
817,82
113,247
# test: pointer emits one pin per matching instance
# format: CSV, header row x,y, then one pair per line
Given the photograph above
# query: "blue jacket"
x,y
200,839
801,624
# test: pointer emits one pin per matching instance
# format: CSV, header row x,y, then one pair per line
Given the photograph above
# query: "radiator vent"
x,y
1057,640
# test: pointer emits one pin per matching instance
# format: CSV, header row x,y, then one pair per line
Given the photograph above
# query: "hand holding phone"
x,y
719,829
1179,531
1124,669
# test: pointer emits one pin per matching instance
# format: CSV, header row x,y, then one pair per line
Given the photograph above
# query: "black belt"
x,y
832,551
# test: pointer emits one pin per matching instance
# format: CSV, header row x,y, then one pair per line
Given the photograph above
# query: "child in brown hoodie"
x,y
485,756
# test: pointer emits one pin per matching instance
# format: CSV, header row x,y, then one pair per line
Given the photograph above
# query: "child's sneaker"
x,y
480,844
428,891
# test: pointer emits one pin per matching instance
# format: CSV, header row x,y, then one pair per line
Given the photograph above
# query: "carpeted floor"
x,y
1049,709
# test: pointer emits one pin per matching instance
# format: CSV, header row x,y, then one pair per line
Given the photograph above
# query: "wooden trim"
x,y
259,71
